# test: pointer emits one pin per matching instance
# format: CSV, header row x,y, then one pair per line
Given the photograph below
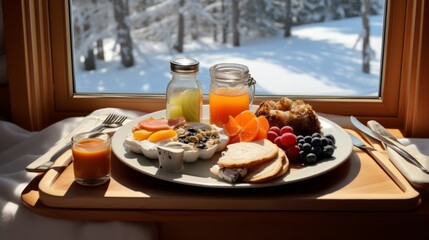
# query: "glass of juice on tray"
x,y
91,158
231,91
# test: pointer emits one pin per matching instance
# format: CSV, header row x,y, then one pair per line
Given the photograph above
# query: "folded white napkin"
x,y
417,147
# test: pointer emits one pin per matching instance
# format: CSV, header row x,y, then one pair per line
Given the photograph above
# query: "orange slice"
x,y
264,126
232,128
141,134
244,117
161,135
263,123
249,131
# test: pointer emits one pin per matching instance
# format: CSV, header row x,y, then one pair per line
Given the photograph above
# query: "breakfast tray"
x,y
359,184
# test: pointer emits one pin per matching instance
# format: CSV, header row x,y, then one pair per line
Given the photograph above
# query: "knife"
x,y
364,128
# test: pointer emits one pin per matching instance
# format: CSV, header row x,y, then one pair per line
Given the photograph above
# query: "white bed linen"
x,y
18,148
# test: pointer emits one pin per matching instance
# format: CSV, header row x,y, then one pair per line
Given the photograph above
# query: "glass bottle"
x,y
184,93
231,91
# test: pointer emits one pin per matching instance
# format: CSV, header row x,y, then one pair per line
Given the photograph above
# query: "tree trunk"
x,y
100,49
366,48
124,38
194,30
89,62
224,24
235,18
181,29
215,26
288,18
89,58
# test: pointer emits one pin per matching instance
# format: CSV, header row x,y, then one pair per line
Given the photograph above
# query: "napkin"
x,y
418,147
23,147
88,123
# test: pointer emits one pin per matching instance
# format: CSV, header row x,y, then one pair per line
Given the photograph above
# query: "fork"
x,y
111,121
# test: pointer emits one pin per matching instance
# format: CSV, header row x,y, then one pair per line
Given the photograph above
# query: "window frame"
x,y
46,79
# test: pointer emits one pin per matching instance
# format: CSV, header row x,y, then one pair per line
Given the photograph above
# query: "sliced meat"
x,y
152,125
155,124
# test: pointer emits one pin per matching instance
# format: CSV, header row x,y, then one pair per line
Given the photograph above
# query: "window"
x,y
385,105
40,76
125,46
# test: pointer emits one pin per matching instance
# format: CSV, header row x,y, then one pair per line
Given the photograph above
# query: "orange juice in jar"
x,y
91,158
231,91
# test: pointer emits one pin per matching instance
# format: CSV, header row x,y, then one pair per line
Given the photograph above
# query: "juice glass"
x,y
91,158
231,91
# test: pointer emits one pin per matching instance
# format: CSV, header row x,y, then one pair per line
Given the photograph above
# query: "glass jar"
x,y
231,91
184,94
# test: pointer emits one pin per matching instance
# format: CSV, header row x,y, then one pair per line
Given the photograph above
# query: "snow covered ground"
x,y
319,59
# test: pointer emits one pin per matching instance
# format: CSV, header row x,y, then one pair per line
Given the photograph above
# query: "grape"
x,y
278,141
288,139
293,152
286,129
275,129
272,135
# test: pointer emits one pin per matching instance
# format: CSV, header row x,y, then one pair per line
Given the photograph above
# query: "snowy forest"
x,y
131,27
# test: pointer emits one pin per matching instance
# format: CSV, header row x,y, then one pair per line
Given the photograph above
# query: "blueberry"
x,y
311,158
316,135
317,151
330,137
325,141
308,139
316,141
306,147
328,151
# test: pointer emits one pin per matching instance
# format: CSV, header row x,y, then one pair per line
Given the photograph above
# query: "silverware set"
x,y
377,132
111,121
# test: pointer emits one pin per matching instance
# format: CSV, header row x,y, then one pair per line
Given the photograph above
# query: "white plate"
x,y
198,173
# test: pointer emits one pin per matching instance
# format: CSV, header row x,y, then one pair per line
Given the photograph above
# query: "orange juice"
x,y
91,159
225,102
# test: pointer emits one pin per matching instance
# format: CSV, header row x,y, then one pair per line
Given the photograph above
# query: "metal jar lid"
x,y
184,65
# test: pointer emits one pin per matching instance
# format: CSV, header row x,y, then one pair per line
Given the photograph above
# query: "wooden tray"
x,y
359,184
